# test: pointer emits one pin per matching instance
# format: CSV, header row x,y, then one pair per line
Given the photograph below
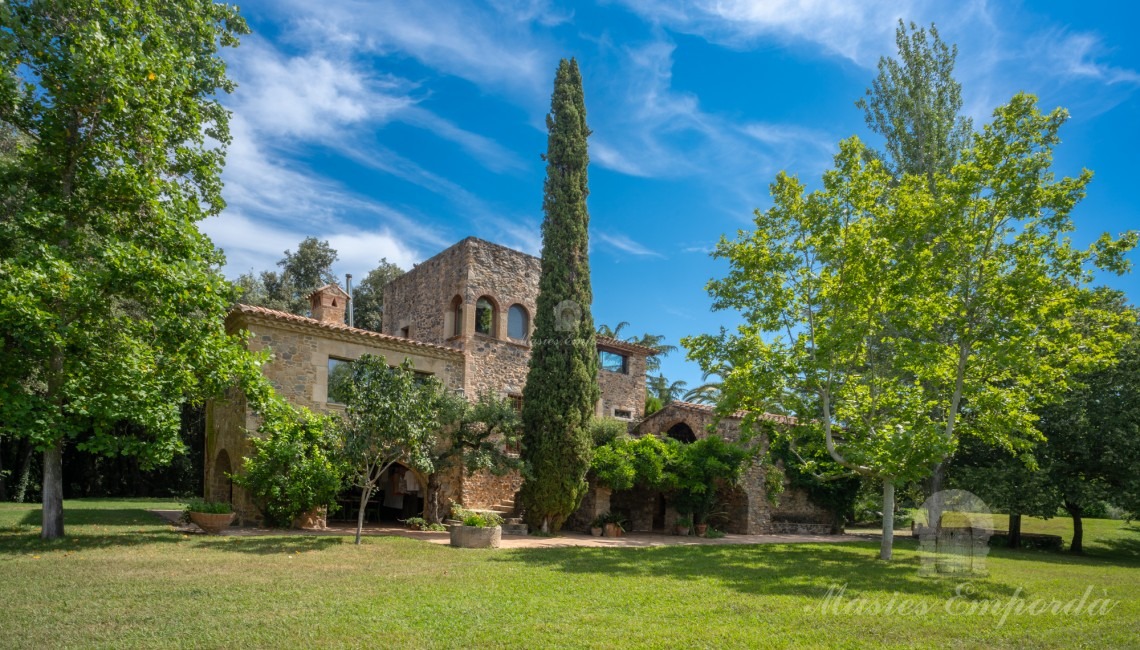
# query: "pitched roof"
x,y
626,346
738,415
333,286
286,317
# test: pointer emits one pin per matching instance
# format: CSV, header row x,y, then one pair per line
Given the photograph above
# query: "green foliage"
x,y
482,519
292,469
390,416
684,521
855,317
419,523
368,295
605,430
561,388
702,468
808,466
1092,447
652,404
111,300
301,272
664,390
209,507
691,474
614,518
479,434
713,533
915,102
648,461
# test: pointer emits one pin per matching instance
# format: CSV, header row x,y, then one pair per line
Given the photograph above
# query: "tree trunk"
x,y
934,509
888,519
25,473
546,524
53,492
1015,530
365,493
3,481
1077,545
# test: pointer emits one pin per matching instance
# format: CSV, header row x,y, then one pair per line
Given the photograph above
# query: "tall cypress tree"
x,y
562,384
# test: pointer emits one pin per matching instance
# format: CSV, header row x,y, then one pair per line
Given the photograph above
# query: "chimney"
x,y
328,303
348,290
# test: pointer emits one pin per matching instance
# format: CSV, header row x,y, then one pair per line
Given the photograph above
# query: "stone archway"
x,y
682,432
221,488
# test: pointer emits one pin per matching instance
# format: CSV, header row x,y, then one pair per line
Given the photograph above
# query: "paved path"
x,y
566,539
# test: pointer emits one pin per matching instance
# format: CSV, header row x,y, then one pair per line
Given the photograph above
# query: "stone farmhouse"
x,y
465,316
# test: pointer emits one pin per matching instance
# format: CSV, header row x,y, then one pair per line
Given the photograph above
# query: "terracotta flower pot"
x,y
681,530
213,524
613,530
701,529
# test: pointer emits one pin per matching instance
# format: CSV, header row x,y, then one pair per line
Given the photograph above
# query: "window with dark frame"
x,y
484,317
613,361
339,372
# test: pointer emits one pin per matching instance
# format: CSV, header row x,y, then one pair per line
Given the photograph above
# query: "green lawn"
x,y
123,579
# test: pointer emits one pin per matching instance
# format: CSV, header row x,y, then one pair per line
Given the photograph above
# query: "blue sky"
x,y
394,129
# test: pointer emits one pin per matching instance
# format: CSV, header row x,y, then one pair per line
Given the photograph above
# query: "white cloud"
x,y
859,31
254,245
490,48
625,244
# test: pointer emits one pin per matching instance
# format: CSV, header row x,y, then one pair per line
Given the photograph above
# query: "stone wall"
x,y
421,298
747,506
482,490
622,391
298,370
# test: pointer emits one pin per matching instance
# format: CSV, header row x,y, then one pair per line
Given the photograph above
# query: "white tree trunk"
x,y
364,494
888,519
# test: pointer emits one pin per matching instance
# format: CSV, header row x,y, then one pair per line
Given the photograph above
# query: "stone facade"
x,y
430,316
746,506
300,350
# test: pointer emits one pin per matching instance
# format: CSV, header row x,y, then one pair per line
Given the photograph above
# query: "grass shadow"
x,y
268,545
96,517
767,569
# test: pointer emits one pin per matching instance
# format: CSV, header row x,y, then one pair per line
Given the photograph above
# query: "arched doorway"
x,y
221,487
681,432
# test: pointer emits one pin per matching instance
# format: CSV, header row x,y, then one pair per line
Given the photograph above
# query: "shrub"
x,y
482,519
209,507
291,470
713,533
603,431
686,521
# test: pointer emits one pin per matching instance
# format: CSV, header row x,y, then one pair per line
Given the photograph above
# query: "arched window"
x,y
518,322
485,317
456,316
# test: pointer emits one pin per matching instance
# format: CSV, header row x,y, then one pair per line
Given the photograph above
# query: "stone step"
x,y
515,529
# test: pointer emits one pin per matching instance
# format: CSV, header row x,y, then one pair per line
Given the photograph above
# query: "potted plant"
x,y
597,525
701,528
613,524
682,525
478,530
211,516
415,523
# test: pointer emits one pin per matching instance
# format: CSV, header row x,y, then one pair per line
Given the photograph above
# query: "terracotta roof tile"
x,y
337,327
627,346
